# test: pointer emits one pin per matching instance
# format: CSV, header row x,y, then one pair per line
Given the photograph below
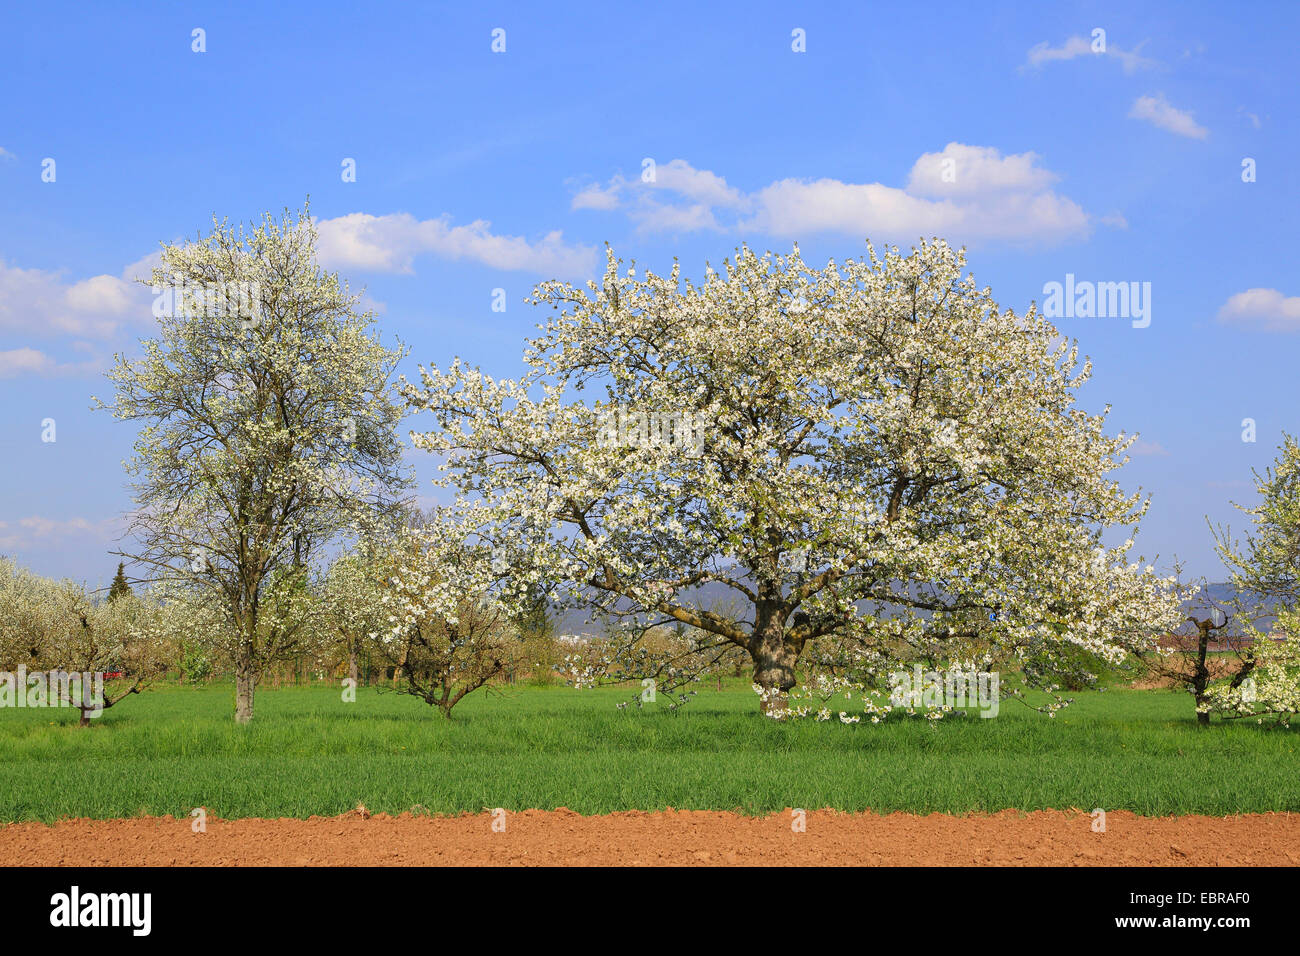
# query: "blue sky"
x,y
478,170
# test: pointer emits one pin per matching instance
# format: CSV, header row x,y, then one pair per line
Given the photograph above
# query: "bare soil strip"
x,y
665,838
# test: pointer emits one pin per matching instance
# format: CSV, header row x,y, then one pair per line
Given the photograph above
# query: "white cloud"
x,y
391,242
704,191
1266,309
29,361
976,170
1157,111
792,208
6,155
1152,448
368,304
679,198
15,362
964,193
594,197
1077,46
798,207
39,302
705,187
142,268
100,294
662,217
36,531
1044,52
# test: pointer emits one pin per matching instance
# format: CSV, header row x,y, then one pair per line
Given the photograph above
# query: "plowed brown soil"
x,y
665,838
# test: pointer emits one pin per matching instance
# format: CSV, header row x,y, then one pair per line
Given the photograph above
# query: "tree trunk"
x,y
1201,679
352,666
244,684
400,668
774,662
85,718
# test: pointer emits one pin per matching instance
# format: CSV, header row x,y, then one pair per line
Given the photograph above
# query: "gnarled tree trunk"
x,y
774,658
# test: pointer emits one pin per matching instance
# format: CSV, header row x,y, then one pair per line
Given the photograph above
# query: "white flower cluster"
x,y
1272,687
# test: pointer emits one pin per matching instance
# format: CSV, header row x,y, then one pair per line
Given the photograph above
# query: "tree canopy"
x,y
874,451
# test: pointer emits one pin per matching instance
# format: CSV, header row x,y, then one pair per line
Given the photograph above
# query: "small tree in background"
x,y
120,587
352,611
446,631
1266,574
1191,663
58,626
537,647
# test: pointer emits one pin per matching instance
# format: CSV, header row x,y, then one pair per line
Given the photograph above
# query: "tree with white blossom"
x,y
61,628
1265,570
351,604
268,430
875,452
447,624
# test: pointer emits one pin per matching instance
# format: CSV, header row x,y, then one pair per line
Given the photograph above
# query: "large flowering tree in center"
x,y
873,454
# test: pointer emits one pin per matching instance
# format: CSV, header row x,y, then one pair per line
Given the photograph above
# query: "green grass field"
x,y
307,752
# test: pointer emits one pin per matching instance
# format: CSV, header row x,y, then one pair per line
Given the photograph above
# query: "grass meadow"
x,y
307,752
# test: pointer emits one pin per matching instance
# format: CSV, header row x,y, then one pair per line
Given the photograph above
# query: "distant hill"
x,y
707,596
713,595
